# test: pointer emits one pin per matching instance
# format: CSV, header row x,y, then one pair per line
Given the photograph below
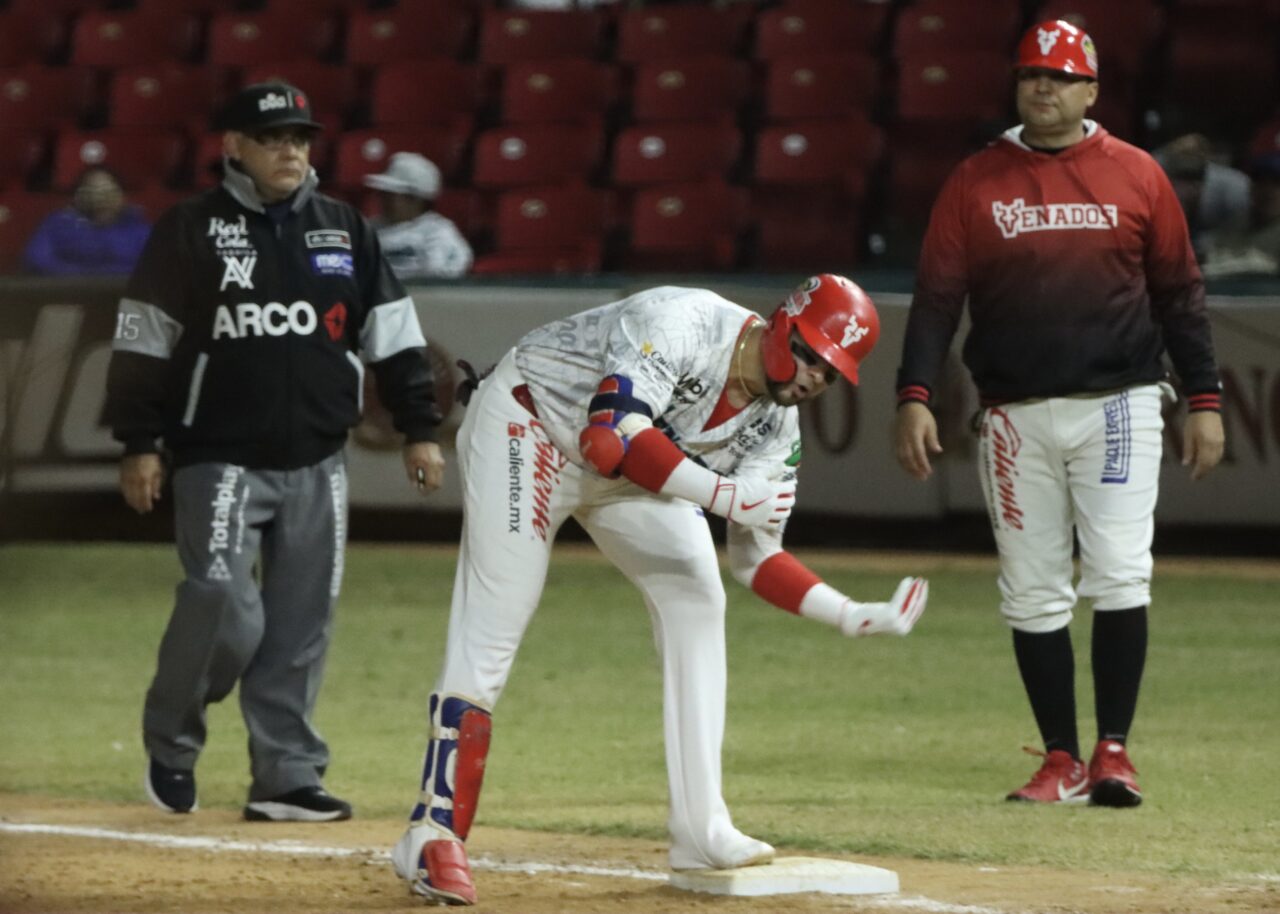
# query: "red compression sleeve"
x,y
783,581
650,459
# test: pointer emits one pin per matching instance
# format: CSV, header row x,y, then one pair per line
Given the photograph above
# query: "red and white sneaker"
x,y
1061,779
436,868
1112,778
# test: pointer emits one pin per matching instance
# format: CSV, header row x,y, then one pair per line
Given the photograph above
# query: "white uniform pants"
x,y
518,489
1088,465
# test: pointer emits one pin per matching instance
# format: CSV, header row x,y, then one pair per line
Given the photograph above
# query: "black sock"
x,y
1048,669
1119,654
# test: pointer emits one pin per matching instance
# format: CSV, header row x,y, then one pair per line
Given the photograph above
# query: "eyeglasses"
x,y
275,140
802,352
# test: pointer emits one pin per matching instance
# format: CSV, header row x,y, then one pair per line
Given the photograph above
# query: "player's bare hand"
x,y
915,437
1202,442
896,617
141,478
754,502
424,465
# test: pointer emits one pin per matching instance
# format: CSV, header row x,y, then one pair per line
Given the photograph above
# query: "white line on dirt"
x,y
202,842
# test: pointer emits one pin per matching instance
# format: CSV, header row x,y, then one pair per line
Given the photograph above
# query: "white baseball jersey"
x,y
677,346
427,247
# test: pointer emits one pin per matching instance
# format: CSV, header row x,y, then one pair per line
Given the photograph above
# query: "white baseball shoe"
x,y
739,851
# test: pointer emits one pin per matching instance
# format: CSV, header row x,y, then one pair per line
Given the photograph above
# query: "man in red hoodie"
x,y
1072,252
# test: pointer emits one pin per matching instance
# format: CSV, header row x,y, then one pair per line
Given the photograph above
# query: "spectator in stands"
x,y
1214,197
1253,249
99,233
417,241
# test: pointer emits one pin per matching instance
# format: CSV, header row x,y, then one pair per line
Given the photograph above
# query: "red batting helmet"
x,y
1056,44
833,316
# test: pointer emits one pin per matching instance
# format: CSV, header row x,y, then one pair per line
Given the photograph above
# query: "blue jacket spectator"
x,y
98,234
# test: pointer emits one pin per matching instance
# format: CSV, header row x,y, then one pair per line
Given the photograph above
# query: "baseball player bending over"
x,y
635,418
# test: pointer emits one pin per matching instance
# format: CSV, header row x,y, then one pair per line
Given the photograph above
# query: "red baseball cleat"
x,y
1061,779
1112,778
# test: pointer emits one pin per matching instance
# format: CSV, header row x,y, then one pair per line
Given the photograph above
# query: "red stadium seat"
x,y
507,36
163,95
248,39
156,198
549,230
565,91
39,97
201,7
821,85
694,88
465,208
425,92
577,261
813,232
956,25
959,86
57,7
552,217
535,154
661,33
363,152
838,152
332,89
206,160
686,227
916,174
377,37
834,26
300,8
670,153
119,38
29,38
1222,64
138,155
20,214
20,155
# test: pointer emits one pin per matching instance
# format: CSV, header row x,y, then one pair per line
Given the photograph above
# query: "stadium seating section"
x,y
635,135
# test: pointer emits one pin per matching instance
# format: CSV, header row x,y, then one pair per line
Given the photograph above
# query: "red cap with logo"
x,y
1058,45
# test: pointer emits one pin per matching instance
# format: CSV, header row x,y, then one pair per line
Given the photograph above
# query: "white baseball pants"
x,y
518,489
1063,465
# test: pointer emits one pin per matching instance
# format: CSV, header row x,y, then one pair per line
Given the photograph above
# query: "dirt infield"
x,y
113,858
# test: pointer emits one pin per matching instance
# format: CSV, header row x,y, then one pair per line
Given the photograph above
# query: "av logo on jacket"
x,y
238,270
1018,218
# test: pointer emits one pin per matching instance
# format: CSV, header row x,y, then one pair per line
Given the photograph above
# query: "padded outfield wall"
x,y
56,457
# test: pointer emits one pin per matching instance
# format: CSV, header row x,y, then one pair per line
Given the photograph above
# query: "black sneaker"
x,y
172,789
306,804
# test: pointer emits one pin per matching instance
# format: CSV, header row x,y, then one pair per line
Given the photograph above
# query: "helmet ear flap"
x,y
775,344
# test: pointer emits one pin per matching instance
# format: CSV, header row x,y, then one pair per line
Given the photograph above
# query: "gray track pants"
x,y
269,630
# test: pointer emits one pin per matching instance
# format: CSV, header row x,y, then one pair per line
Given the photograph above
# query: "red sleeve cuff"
x,y
1205,402
783,581
914,393
650,459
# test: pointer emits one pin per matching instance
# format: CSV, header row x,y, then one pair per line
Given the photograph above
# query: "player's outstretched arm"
x,y
778,577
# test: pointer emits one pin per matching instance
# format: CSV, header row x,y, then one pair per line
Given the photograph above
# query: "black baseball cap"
x,y
265,105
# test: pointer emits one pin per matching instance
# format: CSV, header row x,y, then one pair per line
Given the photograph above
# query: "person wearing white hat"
x,y
417,241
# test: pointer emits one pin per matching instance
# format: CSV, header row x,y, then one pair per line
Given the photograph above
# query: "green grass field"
x,y
900,747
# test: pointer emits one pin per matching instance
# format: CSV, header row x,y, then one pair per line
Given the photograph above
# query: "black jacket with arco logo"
x,y
240,334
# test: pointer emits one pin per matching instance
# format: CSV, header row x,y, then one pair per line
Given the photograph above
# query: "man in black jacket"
x,y
236,345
